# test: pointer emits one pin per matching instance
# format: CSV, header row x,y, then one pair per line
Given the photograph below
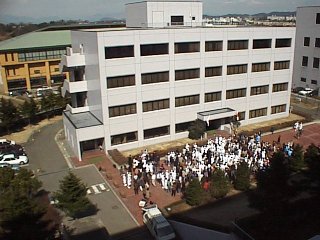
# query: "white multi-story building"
x,y
133,87
307,48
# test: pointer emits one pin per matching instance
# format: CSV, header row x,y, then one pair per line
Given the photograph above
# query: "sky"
x,y
48,10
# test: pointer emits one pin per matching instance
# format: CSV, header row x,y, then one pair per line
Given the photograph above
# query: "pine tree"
x,y
219,184
296,162
197,129
242,179
194,193
29,110
21,214
72,197
312,159
8,114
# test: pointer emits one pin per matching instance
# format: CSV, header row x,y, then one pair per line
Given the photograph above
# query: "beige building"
x,y
32,60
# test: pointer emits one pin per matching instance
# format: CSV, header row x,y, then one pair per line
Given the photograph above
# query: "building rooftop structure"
x,y
37,40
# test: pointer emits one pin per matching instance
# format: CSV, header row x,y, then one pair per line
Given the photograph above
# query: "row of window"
x,y
305,60
41,55
192,99
306,42
312,80
189,47
182,127
157,77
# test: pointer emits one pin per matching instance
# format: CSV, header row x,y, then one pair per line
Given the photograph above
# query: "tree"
x,y
21,213
72,197
219,184
194,193
196,129
29,110
47,105
296,162
273,191
235,124
312,159
242,179
8,114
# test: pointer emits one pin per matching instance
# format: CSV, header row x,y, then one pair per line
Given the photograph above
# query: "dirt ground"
x,y
23,136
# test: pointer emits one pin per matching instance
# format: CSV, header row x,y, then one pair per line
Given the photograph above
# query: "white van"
x,y
43,91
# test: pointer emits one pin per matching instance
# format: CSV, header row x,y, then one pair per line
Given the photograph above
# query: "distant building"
x,y
32,60
306,72
145,84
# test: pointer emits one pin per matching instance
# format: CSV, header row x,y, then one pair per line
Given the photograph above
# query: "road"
x,y
45,157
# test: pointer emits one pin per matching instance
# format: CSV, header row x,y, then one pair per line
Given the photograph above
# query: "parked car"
x,y
12,159
297,89
4,141
3,164
5,148
157,224
306,92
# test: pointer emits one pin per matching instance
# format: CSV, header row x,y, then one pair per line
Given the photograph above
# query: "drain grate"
x,y
115,207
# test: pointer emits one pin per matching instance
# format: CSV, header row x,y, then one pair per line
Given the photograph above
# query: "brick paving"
x,y
311,134
112,175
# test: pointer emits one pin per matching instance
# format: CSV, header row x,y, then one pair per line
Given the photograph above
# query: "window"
x,y
193,18
17,84
183,127
303,79
188,47
157,77
281,65
283,42
212,97
124,138
236,93
236,69
187,100
315,62
317,42
278,109
318,18
122,110
119,52
213,46
237,44
242,115
38,81
279,87
176,20
306,41
259,90
258,113
314,82
154,49
36,71
304,61
156,132
41,55
260,67
187,74
120,81
56,69
213,71
261,43
155,105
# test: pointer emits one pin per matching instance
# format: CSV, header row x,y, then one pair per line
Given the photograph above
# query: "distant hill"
x,y
257,15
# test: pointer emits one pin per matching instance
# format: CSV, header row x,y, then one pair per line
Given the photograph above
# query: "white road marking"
x,y
102,187
95,189
89,191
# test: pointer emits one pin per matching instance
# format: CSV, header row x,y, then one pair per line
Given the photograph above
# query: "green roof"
x,y
37,40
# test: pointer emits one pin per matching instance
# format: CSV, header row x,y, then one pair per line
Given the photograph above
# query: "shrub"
x,y
242,179
194,193
197,129
220,185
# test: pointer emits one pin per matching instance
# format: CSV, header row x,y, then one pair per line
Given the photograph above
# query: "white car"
x,y
12,159
5,141
158,226
305,92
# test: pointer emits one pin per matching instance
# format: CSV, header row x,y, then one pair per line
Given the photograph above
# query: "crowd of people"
x,y
177,168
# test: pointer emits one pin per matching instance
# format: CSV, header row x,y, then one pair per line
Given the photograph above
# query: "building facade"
x,y
307,48
32,60
133,87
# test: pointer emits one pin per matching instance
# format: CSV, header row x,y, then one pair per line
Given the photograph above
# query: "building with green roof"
x,y
32,60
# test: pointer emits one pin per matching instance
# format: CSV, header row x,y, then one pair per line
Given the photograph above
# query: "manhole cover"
x,y
115,207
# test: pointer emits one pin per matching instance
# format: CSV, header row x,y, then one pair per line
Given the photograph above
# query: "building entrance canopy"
x,y
221,113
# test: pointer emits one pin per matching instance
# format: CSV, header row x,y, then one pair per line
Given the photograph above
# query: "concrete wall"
x,y
306,27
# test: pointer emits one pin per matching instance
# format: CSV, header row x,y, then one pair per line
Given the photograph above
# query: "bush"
x,y
194,193
242,180
296,162
220,185
197,129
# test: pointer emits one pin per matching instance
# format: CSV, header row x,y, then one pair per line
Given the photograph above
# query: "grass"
x,y
95,160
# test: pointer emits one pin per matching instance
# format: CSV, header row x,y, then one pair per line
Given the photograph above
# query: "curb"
x,y
63,150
